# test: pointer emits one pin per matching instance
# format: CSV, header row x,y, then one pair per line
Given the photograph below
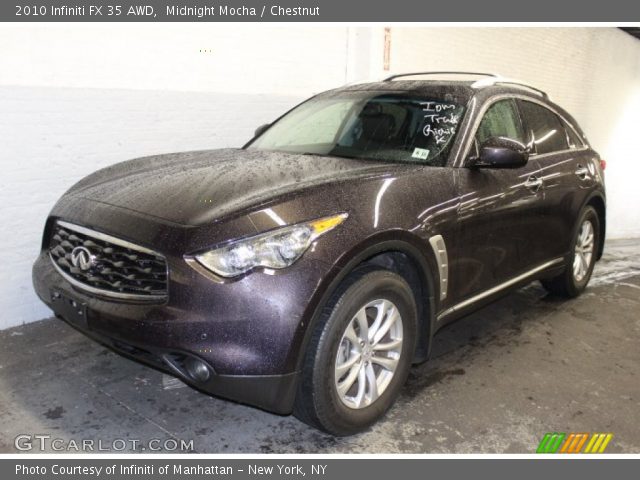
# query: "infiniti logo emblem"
x,y
82,258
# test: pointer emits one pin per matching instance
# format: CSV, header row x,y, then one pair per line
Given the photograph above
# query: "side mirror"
x,y
261,129
500,152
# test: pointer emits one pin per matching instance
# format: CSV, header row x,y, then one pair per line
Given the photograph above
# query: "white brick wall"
x,y
52,137
77,98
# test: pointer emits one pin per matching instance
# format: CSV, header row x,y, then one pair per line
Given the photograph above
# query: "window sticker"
x,y
421,153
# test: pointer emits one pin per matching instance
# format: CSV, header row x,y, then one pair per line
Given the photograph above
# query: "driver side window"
x,y
500,120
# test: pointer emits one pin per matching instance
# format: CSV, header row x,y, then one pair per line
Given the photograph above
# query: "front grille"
x,y
107,265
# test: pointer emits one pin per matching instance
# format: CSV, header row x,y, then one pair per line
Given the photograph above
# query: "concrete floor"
x,y
498,381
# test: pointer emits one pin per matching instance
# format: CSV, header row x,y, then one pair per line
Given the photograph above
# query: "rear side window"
x,y
574,140
547,130
500,120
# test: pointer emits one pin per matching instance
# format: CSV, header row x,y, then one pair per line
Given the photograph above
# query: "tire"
x,y
573,280
323,399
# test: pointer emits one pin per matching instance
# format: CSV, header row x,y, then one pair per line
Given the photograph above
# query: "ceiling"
x,y
635,31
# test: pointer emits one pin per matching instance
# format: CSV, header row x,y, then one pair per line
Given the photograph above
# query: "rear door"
x,y
498,213
567,173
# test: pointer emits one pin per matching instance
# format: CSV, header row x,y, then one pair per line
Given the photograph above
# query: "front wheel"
x,y
359,355
577,274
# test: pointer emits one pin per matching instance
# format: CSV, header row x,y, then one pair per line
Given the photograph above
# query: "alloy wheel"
x,y
368,354
583,251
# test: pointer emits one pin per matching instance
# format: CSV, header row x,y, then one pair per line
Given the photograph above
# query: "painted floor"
x,y
498,381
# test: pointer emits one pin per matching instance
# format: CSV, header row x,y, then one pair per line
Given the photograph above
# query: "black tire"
x,y
318,402
566,284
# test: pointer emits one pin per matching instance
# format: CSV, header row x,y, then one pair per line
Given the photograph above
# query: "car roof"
x,y
418,87
464,88
473,80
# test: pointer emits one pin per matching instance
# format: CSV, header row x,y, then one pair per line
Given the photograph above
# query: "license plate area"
x,y
72,310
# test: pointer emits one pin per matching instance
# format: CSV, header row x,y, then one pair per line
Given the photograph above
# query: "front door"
x,y
498,213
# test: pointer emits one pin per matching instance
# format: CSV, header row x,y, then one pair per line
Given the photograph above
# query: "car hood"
x,y
193,188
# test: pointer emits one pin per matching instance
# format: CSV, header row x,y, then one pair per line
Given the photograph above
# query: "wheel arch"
x,y
397,251
597,201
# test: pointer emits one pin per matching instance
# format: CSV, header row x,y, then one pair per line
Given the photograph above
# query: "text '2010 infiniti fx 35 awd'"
x,y
307,271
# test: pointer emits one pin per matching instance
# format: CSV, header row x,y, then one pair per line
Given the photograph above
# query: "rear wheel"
x,y
359,355
577,274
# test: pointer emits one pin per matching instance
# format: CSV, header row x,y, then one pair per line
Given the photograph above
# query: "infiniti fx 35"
x,y
305,272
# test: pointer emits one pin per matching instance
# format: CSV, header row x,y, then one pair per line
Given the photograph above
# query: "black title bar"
x,y
619,11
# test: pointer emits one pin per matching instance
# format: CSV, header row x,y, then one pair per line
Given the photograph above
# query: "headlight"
x,y
276,249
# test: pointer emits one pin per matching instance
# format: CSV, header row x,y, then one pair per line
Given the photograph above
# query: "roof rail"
x,y
487,82
413,74
491,79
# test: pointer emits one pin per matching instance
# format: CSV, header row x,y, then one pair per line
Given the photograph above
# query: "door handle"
x,y
582,172
533,183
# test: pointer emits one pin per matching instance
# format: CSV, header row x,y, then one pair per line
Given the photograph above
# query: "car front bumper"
x,y
249,332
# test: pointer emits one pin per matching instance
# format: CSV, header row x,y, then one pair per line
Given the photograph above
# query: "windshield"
x,y
389,127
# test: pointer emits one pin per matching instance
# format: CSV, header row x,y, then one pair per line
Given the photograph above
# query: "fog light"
x,y
197,369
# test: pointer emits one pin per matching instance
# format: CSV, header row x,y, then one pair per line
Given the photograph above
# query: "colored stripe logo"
x,y
574,442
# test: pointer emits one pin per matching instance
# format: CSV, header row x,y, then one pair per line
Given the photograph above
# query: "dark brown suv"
x,y
308,270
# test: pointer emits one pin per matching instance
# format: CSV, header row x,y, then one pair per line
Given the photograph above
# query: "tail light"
x,y
603,164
